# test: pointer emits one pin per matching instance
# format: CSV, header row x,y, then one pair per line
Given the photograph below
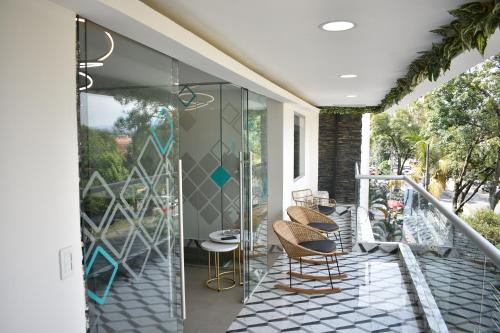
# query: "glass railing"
x,y
460,267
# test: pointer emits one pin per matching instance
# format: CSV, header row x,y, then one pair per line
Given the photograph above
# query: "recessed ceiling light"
x,y
337,26
348,76
351,96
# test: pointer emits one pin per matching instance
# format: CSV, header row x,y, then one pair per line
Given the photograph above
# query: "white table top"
x,y
218,247
217,235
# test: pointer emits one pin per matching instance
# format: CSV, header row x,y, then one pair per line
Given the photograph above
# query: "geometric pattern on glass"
x,y
188,94
162,128
163,189
209,189
94,294
151,218
149,160
229,113
137,255
165,240
89,242
187,121
97,200
209,163
118,231
209,214
220,176
134,192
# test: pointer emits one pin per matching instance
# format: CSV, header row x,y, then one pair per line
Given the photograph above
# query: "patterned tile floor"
x,y
457,286
139,306
375,297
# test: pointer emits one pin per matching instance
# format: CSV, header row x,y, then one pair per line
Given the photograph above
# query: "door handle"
x,y
250,198
242,226
181,243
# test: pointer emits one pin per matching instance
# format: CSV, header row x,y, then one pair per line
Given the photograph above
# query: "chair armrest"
x,y
303,202
325,202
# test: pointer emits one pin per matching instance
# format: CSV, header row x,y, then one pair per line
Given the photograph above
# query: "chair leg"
x,y
290,270
337,261
341,245
329,274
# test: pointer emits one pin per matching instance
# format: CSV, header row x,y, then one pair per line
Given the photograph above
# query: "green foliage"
x,y
94,205
384,168
98,152
350,110
474,23
487,223
398,133
465,120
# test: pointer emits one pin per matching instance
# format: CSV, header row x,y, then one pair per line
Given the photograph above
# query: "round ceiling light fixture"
x,y
348,76
337,25
351,96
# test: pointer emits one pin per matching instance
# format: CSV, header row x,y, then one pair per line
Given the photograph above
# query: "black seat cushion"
x,y
324,246
328,227
326,210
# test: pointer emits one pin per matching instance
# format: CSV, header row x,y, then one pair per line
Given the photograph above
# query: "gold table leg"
x,y
220,275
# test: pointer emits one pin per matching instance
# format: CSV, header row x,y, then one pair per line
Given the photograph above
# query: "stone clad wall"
x,y
339,149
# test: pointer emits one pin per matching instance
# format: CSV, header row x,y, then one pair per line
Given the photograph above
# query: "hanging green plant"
x,y
473,25
349,110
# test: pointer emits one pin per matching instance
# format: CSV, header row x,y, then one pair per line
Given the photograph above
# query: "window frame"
x,y
301,145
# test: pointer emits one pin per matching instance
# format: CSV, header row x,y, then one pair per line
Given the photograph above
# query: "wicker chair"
x,y
305,198
316,220
302,241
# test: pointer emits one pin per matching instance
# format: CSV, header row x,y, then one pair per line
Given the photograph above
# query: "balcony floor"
x,y
457,286
376,297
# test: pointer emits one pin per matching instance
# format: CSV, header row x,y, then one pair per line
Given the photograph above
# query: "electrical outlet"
x,y
66,262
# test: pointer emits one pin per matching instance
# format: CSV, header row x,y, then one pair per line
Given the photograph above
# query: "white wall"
x,y
310,178
39,204
280,149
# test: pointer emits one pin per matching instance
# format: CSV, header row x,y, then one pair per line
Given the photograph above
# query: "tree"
x,y
466,119
397,134
98,152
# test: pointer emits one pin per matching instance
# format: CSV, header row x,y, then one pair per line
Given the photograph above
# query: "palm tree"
x,y
438,166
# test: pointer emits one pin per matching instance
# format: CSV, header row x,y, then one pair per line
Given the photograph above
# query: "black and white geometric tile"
x,y
375,297
149,305
467,293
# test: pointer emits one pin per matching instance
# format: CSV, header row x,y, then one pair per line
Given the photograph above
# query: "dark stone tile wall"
x,y
339,150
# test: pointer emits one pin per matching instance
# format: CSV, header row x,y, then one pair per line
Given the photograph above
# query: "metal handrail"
x,y
489,249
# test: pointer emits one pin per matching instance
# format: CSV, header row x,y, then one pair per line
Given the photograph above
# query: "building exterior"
x,y
77,228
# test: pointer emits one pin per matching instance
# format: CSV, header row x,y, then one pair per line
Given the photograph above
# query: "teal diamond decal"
x,y
168,124
220,176
191,96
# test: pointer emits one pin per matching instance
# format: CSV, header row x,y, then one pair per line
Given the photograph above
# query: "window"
x,y
298,146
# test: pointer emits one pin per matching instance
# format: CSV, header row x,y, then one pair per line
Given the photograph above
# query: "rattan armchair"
x,y
316,220
302,241
305,198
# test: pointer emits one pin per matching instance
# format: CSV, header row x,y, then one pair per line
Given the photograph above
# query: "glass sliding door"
x,y
129,174
255,189
223,134
210,133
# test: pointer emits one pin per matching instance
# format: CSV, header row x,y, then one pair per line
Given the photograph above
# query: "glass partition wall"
x,y
136,123
256,191
223,135
129,144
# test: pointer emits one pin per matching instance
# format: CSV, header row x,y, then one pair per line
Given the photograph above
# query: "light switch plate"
x,y
66,262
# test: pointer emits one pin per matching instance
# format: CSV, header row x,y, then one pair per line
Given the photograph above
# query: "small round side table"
x,y
216,249
221,236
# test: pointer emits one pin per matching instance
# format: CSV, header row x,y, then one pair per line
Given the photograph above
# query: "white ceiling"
x,y
280,40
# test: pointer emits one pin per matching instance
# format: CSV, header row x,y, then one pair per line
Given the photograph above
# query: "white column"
x,y
39,191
